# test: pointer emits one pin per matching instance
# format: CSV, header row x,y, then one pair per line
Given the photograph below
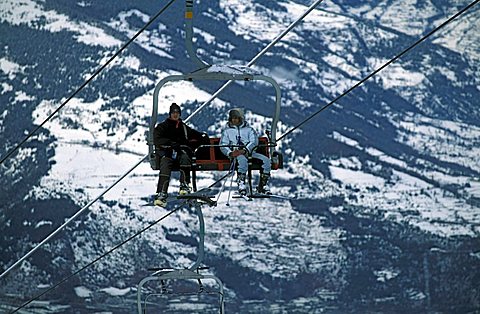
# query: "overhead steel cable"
x,y
99,258
281,137
382,67
114,248
261,53
100,69
56,231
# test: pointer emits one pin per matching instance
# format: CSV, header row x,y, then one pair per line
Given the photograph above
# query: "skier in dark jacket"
x,y
174,142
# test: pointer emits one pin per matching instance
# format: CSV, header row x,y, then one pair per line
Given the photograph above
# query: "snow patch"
x,y
155,41
395,75
10,68
360,178
29,12
5,88
43,223
83,292
385,275
116,291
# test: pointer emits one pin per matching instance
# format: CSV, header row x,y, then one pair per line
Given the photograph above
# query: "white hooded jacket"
x,y
243,135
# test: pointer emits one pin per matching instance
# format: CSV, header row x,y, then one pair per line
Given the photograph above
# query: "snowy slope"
x,y
390,171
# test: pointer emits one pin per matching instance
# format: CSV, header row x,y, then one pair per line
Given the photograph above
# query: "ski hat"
x,y
175,108
236,113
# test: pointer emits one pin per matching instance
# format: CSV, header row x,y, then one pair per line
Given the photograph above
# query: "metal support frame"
x,y
214,72
184,274
204,72
189,35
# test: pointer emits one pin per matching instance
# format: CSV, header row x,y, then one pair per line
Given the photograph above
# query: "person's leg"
x,y
166,165
265,174
185,166
242,174
242,164
266,162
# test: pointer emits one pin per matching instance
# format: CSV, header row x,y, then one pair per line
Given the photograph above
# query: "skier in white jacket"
x,y
241,139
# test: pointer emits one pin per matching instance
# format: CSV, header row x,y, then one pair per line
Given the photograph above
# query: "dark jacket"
x,y
174,134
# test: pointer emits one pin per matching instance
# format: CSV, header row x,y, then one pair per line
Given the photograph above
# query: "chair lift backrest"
x,y
212,159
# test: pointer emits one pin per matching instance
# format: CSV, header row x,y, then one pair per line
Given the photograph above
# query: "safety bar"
x,y
184,274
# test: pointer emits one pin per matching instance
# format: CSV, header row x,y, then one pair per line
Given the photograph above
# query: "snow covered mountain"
x,y
384,185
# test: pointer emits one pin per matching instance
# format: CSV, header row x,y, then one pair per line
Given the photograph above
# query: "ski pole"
x,y
232,171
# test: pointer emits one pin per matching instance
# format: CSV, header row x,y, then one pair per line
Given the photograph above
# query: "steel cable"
x,y
381,68
100,69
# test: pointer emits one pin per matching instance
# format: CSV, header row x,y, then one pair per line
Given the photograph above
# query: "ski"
x,y
171,199
250,197
245,197
203,195
262,195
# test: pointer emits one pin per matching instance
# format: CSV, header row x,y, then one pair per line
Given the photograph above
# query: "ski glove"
x,y
237,153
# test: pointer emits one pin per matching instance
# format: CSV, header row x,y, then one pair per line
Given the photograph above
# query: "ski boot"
x,y
262,187
160,199
184,189
242,187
